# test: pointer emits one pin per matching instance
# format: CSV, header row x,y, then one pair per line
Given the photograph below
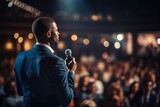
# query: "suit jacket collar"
x,y
42,48
46,46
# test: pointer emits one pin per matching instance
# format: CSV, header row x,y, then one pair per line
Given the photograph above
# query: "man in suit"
x,y
42,78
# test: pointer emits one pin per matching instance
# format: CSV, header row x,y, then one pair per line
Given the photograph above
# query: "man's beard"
x,y
54,43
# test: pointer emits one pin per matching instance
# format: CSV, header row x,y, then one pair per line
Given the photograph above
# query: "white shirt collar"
x,y
45,45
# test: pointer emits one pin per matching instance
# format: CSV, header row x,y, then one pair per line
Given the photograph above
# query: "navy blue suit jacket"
x,y
42,78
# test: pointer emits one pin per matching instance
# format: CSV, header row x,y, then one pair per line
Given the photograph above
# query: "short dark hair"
x,y
41,26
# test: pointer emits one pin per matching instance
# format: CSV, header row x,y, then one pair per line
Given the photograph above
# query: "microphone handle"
x,y
69,62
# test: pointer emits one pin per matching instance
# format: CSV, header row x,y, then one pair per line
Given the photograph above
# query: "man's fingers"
x,y
74,61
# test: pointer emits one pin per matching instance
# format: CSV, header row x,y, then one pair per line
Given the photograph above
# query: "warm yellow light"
x,y
147,39
61,45
20,39
86,41
94,17
106,44
27,45
129,44
9,45
30,35
16,35
74,37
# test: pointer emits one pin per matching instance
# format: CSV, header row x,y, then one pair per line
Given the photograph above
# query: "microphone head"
x,y
68,52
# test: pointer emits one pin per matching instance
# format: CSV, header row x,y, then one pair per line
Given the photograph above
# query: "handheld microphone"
x,y
68,53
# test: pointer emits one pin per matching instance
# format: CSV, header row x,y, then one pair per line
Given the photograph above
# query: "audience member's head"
x,y
149,85
83,82
88,103
115,90
12,88
91,88
134,87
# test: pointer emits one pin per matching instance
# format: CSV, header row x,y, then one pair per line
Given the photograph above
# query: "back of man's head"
x,y
40,27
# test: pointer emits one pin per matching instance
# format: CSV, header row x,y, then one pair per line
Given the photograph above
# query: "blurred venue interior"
x,y
99,26
101,34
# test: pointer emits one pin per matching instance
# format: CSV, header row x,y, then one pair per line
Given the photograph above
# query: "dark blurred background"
x,y
91,21
118,39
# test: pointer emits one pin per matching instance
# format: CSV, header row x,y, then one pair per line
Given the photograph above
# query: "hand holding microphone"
x,y
70,61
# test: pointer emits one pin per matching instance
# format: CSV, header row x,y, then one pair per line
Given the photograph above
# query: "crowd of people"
x,y
132,83
120,83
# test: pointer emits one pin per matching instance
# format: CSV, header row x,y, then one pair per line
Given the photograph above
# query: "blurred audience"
x,y
134,82
149,98
134,94
12,99
98,83
116,97
92,95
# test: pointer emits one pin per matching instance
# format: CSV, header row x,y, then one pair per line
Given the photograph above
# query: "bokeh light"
x,y
94,17
10,4
27,45
158,40
20,39
9,45
16,35
30,35
106,44
61,45
74,37
120,37
117,45
86,41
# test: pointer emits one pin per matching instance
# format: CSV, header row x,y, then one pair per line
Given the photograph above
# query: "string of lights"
x,y
24,6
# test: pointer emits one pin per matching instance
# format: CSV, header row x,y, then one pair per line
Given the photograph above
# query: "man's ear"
x,y
49,34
